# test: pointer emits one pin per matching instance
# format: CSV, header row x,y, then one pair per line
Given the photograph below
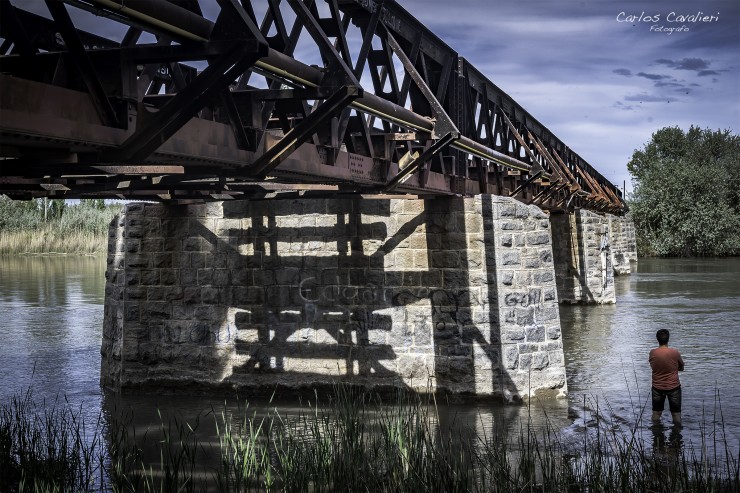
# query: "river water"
x,y
51,314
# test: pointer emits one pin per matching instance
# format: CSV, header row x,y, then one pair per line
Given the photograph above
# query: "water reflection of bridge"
x,y
180,102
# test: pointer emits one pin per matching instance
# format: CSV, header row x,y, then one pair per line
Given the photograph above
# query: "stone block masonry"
x,y
623,243
583,258
450,294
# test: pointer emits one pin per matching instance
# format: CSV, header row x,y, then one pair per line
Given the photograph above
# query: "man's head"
x,y
662,335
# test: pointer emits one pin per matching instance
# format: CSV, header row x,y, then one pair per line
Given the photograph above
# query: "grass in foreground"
x,y
355,444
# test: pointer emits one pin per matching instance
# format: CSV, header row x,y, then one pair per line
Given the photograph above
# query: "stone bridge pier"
x,y
589,250
452,295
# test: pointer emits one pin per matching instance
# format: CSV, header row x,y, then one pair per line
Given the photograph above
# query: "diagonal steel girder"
x,y
16,31
443,122
186,104
82,61
326,47
302,131
419,161
444,128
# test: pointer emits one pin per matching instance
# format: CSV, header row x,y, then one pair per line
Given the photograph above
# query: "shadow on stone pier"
x,y
447,295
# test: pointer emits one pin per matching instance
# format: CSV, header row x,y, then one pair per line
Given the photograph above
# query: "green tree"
x,y
686,199
19,214
56,208
98,204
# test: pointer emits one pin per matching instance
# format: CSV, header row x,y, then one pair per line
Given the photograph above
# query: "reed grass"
x,y
46,448
71,229
358,442
49,241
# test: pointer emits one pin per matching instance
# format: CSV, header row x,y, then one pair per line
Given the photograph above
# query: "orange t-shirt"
x,y
666,362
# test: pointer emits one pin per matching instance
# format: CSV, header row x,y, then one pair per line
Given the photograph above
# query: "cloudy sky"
x,y
596,75
602,75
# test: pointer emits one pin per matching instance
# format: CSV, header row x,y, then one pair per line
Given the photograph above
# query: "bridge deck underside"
x,y
220,107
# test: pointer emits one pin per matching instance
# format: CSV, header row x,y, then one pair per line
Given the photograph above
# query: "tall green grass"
x,y
35,227
46,448
359,442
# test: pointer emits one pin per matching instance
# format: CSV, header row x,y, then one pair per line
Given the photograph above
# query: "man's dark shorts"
x,y
674,399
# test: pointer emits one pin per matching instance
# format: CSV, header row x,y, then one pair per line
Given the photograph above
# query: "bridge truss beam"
x,y
220,106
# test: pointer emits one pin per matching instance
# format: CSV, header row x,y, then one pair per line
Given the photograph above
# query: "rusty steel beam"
x,y
298,134
294,71
82,61
431,123
188,102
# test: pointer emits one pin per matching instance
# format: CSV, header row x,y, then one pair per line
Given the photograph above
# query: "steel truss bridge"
x,y
272,98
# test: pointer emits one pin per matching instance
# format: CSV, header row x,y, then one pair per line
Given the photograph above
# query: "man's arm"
x,y
680,363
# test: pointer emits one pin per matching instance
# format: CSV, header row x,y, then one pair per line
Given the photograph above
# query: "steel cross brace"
x,y
359,67
233,20
526,183
186,104
325,46
535,163
235,120
573,185
80,58
357,71
444,125
562,172
288,43
15,29
549,191
302,131
444,129
367,40
419,161
273,16
341,73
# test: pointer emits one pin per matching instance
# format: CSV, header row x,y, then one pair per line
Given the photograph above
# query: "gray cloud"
x,y
668,84
707,72
653,76
715,37
648,98
626,107
539,52
685,64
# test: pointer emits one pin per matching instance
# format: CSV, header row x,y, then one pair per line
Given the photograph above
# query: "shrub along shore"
x,y
358,443
48,227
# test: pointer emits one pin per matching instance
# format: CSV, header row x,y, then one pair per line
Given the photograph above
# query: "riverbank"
x,y
50,241
357,443
40,227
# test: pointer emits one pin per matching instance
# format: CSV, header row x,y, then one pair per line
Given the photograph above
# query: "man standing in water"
x,y
666,362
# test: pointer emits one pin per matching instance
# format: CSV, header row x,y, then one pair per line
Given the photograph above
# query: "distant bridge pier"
x,y
589,250
623,243
583,263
